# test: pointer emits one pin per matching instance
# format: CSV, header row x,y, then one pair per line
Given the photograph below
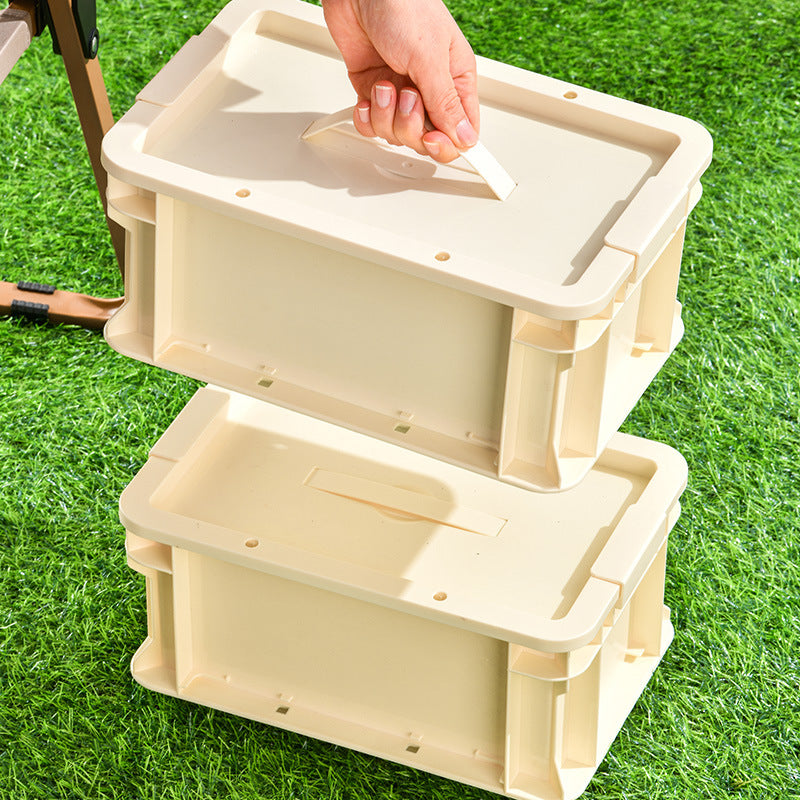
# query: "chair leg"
x,y
37,301
42,303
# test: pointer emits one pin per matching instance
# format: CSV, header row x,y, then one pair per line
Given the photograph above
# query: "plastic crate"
x,y
333,584
368,286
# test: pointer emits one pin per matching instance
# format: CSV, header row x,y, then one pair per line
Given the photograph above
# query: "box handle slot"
x,y
413,506
483,163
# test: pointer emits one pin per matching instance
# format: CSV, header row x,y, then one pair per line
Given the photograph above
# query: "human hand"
x,y
405,58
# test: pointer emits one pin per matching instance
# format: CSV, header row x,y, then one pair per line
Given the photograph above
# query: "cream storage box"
x,y
367,286
327,582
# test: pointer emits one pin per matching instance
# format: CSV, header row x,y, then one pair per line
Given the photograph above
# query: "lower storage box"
x,y
325,582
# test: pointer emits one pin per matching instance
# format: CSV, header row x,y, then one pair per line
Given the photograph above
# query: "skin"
x,y
406,58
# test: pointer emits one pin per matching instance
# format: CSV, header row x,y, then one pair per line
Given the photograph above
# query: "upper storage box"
x,y
366,285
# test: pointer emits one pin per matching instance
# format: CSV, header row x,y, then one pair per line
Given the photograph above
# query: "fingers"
x,y
382,111
440,147
362,119
399,118
442,94
409,127
409,120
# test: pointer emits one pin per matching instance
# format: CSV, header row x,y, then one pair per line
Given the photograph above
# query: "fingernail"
x,y
363,113
383,96
408,99
431,147
466,133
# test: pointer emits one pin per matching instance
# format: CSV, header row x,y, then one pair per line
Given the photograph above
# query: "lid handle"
x,y
406,504
478,157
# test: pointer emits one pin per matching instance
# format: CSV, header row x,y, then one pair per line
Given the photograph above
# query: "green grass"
x,y
720,718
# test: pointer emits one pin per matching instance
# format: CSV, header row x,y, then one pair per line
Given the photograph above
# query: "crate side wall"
x,y
338,326
350,660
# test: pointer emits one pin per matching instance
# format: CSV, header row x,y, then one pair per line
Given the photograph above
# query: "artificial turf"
x,y
720,717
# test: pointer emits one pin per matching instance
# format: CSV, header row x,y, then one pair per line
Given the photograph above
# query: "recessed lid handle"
x,y
478,157
409,504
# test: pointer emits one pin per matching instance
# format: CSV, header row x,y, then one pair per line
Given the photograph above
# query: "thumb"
x,y
447,101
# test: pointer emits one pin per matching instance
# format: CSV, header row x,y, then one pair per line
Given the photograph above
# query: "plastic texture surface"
x,y
370,287
327,582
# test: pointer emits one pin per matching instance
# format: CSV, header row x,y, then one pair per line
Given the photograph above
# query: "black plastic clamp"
x,y
35,312
40,288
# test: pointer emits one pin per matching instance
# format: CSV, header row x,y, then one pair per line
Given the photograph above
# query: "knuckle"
x,y
449,103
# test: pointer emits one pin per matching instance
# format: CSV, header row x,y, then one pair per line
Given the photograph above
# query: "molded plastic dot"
x,y
440,596
443,256
251,543
570,95
243,193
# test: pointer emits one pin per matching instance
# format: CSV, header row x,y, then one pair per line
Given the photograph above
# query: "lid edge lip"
x,y
566,633
564,301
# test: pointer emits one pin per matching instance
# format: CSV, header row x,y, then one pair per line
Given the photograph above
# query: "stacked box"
x,y
416,440
314,578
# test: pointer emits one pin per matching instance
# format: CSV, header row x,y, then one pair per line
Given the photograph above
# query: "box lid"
x,y
272,490
220,126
